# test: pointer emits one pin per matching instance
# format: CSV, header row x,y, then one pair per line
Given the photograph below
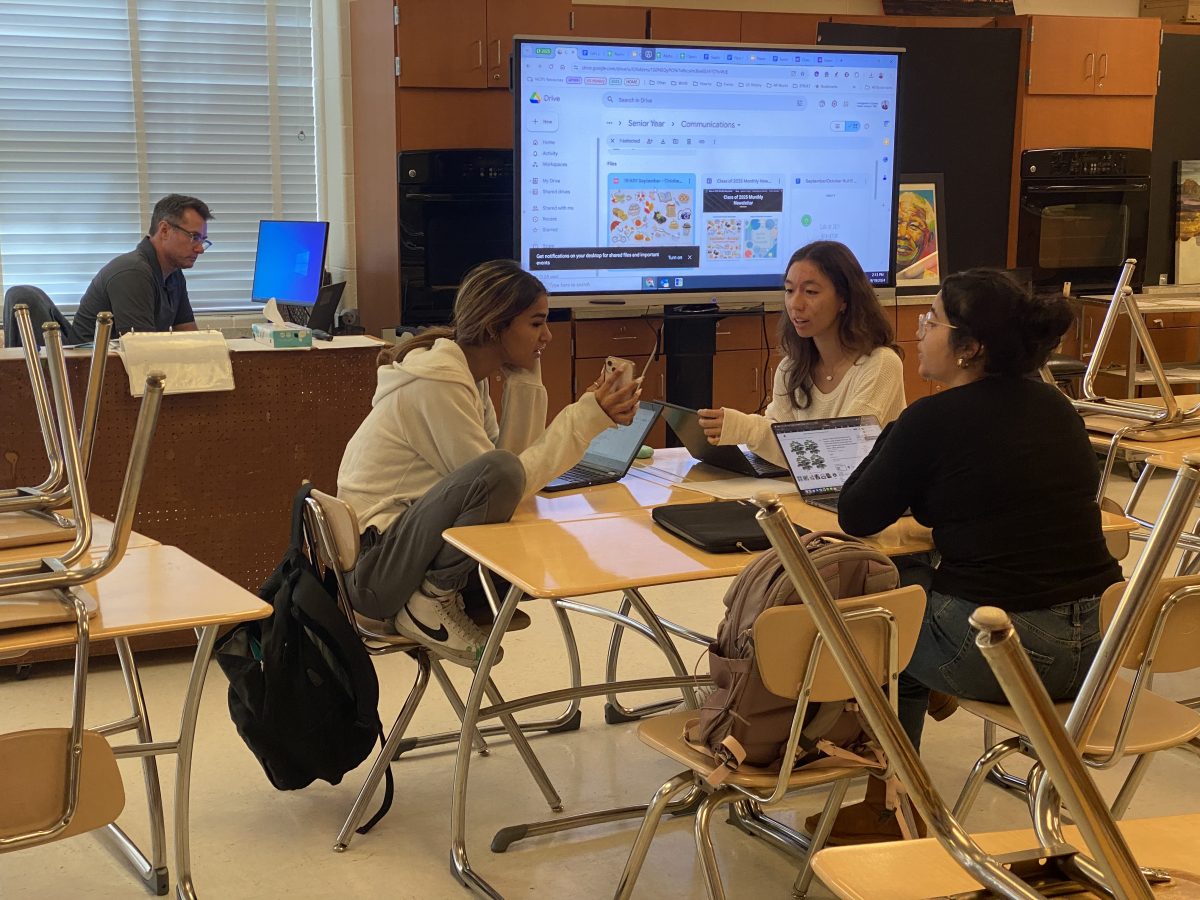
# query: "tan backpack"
x,y
741,721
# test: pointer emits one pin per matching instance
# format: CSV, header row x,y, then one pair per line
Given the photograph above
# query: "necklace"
x,y
837,370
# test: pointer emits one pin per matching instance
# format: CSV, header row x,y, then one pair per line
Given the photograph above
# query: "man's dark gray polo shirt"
x,y
132,288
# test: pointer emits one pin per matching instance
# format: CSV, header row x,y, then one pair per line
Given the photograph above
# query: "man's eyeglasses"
x,y
196,237
925,319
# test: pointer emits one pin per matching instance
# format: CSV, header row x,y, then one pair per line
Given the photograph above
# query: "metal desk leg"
x,y
614,712
460,866
184,890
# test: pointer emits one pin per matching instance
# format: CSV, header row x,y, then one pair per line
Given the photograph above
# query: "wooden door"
x,y
738,380
557,369
1127,56
669,24
780,28
608,22
436,53
1062,55
774,358
508,17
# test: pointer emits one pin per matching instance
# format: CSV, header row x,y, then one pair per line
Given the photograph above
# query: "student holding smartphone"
x,y
432,455
840,356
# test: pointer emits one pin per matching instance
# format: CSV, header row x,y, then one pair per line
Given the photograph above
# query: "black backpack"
x,y
302,689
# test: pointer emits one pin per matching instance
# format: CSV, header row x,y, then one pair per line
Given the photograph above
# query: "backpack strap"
x,y
388,791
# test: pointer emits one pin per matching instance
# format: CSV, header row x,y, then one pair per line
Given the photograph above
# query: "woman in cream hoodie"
x,y
431,454
840,359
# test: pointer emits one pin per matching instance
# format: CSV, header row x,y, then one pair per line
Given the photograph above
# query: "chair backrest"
x,y
41,310
784,638
1175,603
341,530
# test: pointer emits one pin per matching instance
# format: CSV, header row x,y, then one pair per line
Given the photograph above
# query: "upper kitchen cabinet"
x,y
670,24
607,22
779,28
467,46
1079,55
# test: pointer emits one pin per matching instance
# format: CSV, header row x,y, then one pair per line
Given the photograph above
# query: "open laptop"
x,y
686,425
319,315
822,453
611,452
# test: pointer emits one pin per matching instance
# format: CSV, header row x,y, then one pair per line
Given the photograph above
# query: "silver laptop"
x,y
611,452
821,454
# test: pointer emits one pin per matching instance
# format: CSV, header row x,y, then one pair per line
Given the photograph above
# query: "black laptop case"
x,y
719,526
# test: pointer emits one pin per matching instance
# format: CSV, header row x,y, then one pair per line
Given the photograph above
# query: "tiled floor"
x,y
250,841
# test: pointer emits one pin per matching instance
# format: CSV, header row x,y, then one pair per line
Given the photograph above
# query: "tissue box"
x,y
286,335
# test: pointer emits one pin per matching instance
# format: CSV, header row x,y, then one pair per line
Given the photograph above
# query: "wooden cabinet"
x,y
906,337
558,373
635,339
468,45
670,24
1079,55
607,22
780,28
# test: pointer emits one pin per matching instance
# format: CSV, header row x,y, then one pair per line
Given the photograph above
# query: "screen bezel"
x,y
324,258
724,297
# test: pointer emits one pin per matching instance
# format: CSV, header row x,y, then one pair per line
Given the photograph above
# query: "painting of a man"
x,y
917,236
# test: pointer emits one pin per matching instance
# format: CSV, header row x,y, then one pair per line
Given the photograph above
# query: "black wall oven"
x,y
1083,212
456,211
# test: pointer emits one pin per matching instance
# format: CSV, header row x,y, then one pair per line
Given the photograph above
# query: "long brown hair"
x,y
862,327
490,297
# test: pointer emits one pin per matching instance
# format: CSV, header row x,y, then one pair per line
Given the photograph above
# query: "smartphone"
x,y
623,369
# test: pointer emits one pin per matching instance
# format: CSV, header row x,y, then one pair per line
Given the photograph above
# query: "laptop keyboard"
x,y
762,466
576,474
296,313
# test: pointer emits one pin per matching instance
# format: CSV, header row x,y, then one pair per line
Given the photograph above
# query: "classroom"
x,y
570,448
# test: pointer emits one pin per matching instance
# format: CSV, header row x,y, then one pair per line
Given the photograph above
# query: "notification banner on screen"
x,y
549,258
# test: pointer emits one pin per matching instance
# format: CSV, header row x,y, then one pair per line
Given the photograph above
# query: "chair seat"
x,y
665,734
1063,367
385,632
908,870
33,771
1158,723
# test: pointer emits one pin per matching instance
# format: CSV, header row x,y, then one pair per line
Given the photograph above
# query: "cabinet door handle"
x,y
754,380
497,52
1089,65
1103,67
625,337
479,54
1156,323
662,386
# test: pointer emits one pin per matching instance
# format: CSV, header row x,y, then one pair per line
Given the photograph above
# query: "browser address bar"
x,y
680,100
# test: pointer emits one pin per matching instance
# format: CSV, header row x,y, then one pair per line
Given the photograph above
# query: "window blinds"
x,y
107,105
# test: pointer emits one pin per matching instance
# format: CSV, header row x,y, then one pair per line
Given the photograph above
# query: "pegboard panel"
x,y
223,466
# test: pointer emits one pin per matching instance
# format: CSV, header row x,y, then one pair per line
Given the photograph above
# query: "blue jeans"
x,y
1061,642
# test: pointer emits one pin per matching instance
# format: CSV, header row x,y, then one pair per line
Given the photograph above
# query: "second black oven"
x,y
1083,212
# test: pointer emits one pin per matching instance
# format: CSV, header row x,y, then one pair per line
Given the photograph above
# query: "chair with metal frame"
x,y
60,782
42,500
333,534
790,659
1133,720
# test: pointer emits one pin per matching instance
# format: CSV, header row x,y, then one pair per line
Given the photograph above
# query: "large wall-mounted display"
x,y
671,172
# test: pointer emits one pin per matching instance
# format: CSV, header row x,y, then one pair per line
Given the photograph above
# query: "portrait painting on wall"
x,y
920,234
1187,223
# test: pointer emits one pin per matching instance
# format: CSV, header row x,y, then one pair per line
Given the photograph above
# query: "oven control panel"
x,y
1085,162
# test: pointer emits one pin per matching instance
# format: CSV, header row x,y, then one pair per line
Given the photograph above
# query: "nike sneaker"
x,y
441,624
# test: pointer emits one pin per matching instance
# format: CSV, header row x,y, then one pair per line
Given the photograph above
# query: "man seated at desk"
x,y
145,289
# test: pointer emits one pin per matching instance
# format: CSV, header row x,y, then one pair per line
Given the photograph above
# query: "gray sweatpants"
x,y
393,563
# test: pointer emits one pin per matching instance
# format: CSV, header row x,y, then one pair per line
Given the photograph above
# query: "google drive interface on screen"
x,y
700,168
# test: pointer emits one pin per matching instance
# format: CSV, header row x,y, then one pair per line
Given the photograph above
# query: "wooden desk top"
x,y
23,536
153,589
910,870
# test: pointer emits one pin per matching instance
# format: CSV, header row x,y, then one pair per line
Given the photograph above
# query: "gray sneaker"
x,y
441,624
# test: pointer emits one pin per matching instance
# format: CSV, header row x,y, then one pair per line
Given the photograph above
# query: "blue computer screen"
x,y
289,261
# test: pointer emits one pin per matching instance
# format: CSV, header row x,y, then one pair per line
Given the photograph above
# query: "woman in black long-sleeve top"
x,y
1000,467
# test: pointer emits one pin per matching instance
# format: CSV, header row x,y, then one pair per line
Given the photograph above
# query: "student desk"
x,y
33,536
154,589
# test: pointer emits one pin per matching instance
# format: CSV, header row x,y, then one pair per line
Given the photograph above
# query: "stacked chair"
x,y
58,782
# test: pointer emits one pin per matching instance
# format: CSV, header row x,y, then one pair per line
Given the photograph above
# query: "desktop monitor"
x,y
290,261
656,169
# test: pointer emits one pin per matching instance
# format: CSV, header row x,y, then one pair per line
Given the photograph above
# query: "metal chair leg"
x,y
477,742
645,835
824,827
704,845
384,758
985,763
532,763
1132,782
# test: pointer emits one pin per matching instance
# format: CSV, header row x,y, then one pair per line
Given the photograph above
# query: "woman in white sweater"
x,y
840,358
431,454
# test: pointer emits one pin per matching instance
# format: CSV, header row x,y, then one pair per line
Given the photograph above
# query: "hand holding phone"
x,y
619,369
